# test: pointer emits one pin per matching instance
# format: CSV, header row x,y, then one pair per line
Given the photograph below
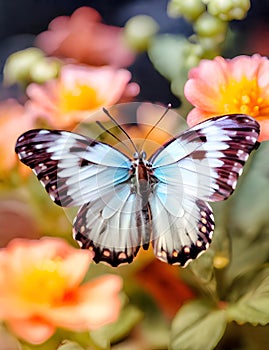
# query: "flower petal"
x,y
197,115
32,330
79,92
97,304
201,95
264,124
237,85
244,66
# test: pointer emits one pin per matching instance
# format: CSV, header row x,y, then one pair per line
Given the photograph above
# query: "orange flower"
x,y
84,38
13,122
40,290
225,86
78,92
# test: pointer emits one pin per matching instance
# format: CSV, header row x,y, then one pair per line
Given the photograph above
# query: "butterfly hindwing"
x,y
114,230
178,239
73,169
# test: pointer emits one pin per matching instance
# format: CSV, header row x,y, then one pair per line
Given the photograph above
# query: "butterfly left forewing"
x,y
73,169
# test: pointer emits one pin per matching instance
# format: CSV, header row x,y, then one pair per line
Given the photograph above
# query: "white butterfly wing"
x,y
73,169
202,164
114,227
76,170
180,239
207,159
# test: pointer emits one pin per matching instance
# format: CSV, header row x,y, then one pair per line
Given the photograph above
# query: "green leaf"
x,y
203,267
168,54
52,343
198,325
247,256
70,345
244,313
253,307
250,202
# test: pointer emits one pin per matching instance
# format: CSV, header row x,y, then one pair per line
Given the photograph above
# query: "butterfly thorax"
x,y
141,176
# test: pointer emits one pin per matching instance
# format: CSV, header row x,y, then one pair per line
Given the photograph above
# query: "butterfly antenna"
x,y
111,134
120,127
154,126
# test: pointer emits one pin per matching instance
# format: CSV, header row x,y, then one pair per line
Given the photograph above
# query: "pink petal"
x,y
76,265
201,95
246,66
213,73
196,116
264,135
97,304
86,15
46,94
50,40
26,253
31,330
263,76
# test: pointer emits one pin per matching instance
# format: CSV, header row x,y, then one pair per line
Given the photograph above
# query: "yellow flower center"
x,y
79,98
44,283
241,97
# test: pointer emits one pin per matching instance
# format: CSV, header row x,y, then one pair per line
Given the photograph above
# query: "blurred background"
x,y
21,21
154,62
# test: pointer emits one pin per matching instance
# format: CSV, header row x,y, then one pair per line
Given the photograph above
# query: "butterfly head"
x,y
140,155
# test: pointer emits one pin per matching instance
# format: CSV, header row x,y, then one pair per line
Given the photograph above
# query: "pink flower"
x,y
13,122
84,38
41,290
225,86
79,92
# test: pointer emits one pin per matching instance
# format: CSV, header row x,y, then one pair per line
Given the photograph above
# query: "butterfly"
x,y
128,202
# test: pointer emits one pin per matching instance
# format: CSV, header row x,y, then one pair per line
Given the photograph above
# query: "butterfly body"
x,y
126,203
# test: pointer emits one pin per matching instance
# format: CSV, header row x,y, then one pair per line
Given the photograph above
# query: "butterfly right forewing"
x,y
208,157
202,164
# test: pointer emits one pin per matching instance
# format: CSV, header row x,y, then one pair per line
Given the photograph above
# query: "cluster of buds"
x,y
30,65
210,19
138,32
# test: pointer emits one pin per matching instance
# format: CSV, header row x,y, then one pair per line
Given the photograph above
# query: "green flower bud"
x,y
196,49
228,10
44,70
190,9
19,64
192,61
212,42
139,31
207,25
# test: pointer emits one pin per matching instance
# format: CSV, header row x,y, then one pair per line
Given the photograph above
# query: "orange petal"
x,y
32,330
76,265
97,304
26,253
264,135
